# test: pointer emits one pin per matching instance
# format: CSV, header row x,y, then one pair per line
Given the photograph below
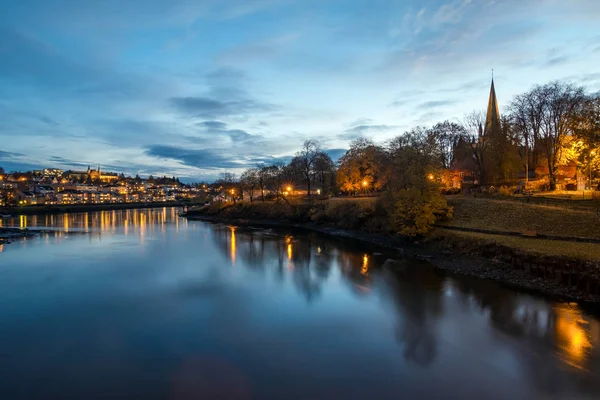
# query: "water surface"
x,y
144,304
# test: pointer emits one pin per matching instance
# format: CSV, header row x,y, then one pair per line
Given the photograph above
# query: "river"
x,y
144,304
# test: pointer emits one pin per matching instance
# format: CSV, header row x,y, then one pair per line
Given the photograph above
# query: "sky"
x,y
194,88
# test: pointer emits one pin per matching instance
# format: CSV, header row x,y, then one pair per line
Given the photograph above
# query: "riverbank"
x,y
75,208
562,277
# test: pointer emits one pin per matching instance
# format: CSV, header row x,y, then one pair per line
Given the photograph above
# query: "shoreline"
x,y
496,269
76,208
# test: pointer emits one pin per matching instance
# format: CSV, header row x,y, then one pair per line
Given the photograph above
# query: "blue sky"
x,y
197,87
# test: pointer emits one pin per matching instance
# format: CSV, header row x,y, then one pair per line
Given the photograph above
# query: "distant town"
x,y
52,186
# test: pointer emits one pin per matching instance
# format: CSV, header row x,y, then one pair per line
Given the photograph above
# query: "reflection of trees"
x,y
417,295
304,261
544,329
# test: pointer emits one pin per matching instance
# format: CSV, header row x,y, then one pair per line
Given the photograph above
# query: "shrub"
x,y
348,214
413,212
506,191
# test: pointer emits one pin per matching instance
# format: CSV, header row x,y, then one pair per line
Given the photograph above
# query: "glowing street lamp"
x,y
592,154
430,177
289,188
365,183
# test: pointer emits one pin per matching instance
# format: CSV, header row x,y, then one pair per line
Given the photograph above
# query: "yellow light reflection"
x,y
22,221
318,249
572,336
1,248
365,265
66,222
232,245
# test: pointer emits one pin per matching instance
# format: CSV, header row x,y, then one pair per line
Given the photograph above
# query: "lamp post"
x,y
592,153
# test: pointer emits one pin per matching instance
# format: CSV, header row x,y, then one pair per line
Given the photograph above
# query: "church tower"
x,y
492,118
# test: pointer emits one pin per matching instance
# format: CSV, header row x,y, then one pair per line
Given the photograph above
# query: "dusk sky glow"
x,y
193,88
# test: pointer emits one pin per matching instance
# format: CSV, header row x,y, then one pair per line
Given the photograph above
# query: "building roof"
x,y
492,118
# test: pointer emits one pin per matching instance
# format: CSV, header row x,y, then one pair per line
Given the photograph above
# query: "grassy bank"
x,y
509,215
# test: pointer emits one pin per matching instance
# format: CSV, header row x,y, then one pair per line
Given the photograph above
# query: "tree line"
x,y
546,127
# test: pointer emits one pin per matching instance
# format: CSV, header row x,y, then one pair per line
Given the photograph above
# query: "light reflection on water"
x,y
116,299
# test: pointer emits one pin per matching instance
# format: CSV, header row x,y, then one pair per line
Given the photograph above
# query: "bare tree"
x,y
526,113
324,171
561,103
306,158
229,183
249,181
473,123
262,180
446,137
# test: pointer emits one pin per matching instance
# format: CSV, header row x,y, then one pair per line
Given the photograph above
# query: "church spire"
x,y
492,118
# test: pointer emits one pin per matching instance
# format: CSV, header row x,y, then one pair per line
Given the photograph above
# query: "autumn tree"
x,y
364,164
586,130
413,159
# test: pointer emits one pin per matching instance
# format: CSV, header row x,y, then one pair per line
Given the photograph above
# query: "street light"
x,y
365,183
430,177
592,153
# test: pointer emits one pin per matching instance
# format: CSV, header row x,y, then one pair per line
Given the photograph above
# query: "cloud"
x,y
227,96
361,121
259,50
213,125
203,107
362,130
213,131
209,159
7,155
556,61
435,104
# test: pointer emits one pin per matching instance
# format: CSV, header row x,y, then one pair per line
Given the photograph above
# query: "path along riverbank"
x,y
558,277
